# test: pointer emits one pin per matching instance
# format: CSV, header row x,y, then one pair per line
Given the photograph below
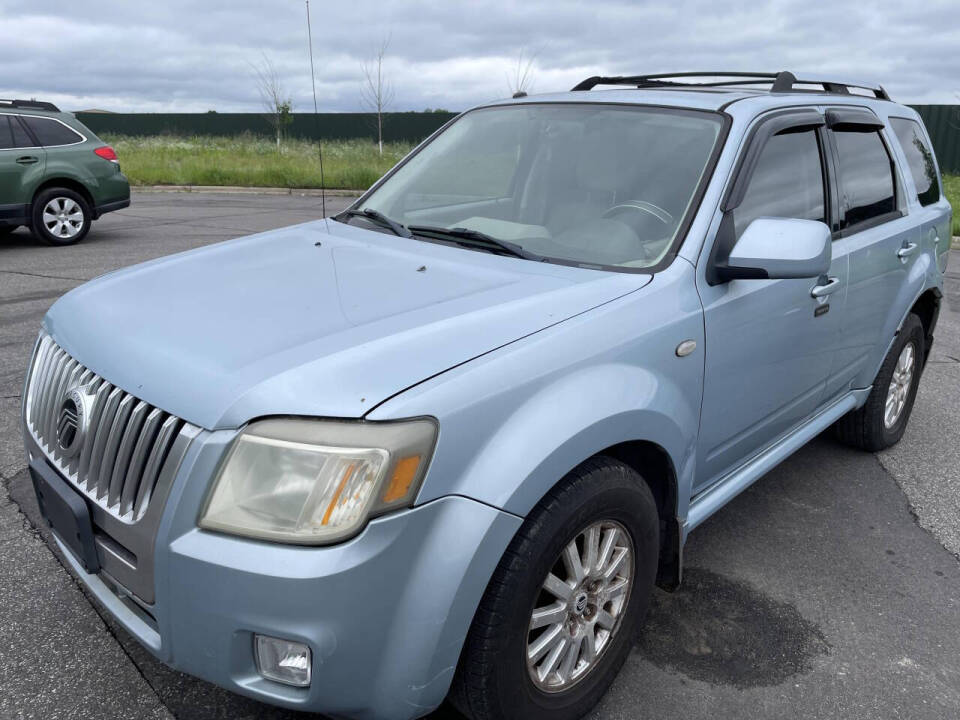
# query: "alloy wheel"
x,y
900,383
63,217
580,606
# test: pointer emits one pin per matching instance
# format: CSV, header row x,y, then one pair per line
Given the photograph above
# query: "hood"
x,y
320,319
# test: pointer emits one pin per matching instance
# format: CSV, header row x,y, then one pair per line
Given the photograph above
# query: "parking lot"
x,y
829,589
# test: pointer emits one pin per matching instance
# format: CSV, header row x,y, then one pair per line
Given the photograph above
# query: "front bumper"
x,y
384,614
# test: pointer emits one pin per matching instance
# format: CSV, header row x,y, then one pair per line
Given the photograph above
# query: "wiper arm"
x,y
466,236
379,218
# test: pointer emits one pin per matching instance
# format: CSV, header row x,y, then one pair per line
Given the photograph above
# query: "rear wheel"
x,y
60,216
561,611
883,419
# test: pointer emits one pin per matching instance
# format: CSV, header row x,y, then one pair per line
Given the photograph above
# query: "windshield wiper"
x,y
379,218
475,238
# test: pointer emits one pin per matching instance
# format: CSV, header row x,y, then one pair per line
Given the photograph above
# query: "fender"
x,y
515,421
572,420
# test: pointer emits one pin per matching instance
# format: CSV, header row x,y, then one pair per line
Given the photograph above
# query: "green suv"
x,y
56,176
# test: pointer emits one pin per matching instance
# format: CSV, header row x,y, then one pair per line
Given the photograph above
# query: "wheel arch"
x,y
654,464
927,308
70,184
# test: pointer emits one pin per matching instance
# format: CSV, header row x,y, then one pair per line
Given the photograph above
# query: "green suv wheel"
x,y
60,216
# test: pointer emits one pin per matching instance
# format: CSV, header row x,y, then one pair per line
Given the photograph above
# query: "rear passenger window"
x,y
787,182
919,158
50,132
866,182
20,137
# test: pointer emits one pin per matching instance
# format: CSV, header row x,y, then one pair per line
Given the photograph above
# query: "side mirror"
x,y
779,248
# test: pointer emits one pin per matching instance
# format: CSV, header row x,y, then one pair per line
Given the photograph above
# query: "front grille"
x,y
113,448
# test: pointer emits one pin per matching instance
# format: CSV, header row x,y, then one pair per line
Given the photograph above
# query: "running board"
x,y
709,501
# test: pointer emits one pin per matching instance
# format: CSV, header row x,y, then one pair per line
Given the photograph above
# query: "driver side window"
x,y
787,181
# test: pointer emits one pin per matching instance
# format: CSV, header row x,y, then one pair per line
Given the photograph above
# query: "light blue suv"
x,y
449,440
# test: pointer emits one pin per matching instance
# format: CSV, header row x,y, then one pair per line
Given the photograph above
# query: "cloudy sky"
x,y
181,56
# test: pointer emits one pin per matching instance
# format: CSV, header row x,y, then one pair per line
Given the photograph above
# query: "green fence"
x,y
410,126
943,124
942,121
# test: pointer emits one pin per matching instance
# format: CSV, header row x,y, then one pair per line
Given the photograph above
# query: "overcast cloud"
x,y
175,56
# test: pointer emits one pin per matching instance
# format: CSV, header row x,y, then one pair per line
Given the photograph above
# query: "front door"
x,y
769,343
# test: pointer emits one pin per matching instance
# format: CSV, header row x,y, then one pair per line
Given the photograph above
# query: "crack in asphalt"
x,y
41,275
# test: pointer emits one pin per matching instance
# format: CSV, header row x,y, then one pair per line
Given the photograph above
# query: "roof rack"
x,y
30,105
780,82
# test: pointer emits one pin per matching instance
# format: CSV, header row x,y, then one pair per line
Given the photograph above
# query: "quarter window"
x,y
787,181
867,188
51,132
919,158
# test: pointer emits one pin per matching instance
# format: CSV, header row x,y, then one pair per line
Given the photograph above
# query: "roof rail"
x,y
780,82
30,105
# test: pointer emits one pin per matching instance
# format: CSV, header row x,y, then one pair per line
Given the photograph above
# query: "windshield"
x,y
592,184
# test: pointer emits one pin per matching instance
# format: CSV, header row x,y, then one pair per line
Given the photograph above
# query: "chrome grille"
x,y
127,440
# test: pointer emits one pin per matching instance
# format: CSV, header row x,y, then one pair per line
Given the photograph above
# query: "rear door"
x,y
925,198
877,236
770,344
21,168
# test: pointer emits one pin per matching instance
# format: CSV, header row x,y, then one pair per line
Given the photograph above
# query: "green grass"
x,y
252,161
951,186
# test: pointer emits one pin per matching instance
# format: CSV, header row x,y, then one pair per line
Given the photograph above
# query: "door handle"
x,y
907,250
27,160
828,287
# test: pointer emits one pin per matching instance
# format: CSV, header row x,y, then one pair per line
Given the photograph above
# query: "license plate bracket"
x,y
66,513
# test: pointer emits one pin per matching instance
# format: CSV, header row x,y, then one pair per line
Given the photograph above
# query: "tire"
x,y
60,216
869,428
492,680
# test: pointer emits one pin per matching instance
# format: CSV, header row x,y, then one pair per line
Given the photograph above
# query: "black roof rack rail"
x,y
29,105
780,82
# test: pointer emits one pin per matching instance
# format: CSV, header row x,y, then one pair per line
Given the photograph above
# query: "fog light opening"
x,y
283,661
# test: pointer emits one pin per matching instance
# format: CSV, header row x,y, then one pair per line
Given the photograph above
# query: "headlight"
x,y
315,482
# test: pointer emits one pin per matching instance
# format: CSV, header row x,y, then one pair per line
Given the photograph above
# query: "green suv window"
x,y
49,132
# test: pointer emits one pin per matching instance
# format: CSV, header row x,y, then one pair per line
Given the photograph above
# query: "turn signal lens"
x,y
404,473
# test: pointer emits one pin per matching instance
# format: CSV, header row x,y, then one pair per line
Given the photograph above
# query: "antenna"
x,y
316,117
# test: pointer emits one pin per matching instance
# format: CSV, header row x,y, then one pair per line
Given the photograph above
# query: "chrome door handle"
x,y
907,250
818,291
27,160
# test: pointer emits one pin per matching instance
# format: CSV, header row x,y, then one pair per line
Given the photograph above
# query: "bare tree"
x,y
520,77
275,101
376,92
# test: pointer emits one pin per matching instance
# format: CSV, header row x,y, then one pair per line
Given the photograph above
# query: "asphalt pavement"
x,y
829,589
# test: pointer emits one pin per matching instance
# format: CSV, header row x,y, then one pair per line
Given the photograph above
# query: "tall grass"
x,y
951,186
252,161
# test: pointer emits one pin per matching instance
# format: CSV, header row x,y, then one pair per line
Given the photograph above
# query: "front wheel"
x,y
561,611
60,216
882,420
